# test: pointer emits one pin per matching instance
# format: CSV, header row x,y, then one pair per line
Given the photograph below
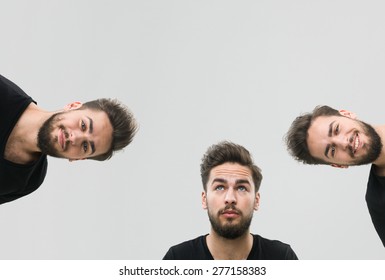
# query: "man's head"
x,y
328,136
231,182
93,130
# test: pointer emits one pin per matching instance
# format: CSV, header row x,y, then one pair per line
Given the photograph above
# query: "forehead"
x,y
230,171
318,131
321,125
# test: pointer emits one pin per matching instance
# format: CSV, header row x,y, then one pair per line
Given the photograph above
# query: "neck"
x,y
22,143
229,249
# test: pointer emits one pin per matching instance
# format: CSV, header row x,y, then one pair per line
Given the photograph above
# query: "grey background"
x,y
193,73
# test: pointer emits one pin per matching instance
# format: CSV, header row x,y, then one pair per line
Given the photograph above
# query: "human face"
x,y
343,140
230,199
76,134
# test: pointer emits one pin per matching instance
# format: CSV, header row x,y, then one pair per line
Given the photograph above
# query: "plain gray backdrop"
x,y
194,73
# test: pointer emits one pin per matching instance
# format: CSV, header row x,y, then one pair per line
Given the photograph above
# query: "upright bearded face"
x,y
230,200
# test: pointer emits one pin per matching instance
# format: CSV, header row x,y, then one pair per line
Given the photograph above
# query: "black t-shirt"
x,y
375,199
263,249
16,180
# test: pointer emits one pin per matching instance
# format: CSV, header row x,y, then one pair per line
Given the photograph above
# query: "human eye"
x,y
337,129
333,151
83,125
85,146
219,188
242,188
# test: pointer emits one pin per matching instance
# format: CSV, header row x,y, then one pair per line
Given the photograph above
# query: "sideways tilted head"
x,y
329,136
93,130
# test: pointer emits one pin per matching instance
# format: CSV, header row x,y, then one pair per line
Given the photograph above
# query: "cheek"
x,y
73,151
212,203
248,203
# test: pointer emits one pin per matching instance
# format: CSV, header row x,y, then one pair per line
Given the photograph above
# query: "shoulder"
x,y
273,249
8,86
377,173
13,102
19,180
375,200
188,250
375,192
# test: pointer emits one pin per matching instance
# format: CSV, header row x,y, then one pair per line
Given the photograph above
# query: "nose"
x,y
342,142
230,197
75,137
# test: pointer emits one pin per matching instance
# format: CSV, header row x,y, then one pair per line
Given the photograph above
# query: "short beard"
x,y
374,146
230,231
45,142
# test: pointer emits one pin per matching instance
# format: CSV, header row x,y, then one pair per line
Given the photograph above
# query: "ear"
x,y
204,200
348,114
339,166
256,202
73,105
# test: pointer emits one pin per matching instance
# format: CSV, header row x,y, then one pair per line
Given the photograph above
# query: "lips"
x,y
61,139
230,213
356,143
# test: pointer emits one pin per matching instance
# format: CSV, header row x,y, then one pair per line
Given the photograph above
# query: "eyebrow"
x,y
91,129
218,180
242,181
91,126
331,129
330,132
327,150
239,181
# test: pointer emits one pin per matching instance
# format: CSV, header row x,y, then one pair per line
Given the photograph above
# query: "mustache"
x,y
350,146
230,208
66,134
